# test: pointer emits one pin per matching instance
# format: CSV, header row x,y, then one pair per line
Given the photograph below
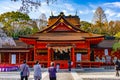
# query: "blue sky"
x,y
85,8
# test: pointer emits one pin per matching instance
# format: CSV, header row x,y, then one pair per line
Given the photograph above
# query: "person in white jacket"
x,y
37,71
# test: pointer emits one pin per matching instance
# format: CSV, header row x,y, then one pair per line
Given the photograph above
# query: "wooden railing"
x,y
89,64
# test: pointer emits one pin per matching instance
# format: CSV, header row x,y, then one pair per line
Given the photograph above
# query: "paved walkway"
x,y
75,74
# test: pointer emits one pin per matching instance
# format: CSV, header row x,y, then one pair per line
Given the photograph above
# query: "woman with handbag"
x,y
24,71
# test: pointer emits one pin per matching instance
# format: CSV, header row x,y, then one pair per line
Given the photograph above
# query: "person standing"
x,y
117,64
57,67
69,65
52,72
24,71
37,71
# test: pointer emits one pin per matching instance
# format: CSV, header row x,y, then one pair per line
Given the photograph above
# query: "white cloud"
x,y
7,6
81,12
93,11
69,7
113,4
92,6
110,12
118,15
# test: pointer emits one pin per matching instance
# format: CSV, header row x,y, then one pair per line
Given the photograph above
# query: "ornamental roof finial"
x,y
61,13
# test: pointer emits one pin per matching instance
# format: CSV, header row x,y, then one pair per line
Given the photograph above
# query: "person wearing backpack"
x,y
24,71
117,67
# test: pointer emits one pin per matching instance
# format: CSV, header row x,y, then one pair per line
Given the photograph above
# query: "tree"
x,y
16,23
43,21
99,21
114,27
28,5
116,45
85,26
5,40
10,18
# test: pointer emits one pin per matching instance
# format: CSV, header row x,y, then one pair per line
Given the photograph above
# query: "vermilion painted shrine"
x,y
61,41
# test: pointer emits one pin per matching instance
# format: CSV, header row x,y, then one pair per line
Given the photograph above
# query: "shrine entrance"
x,y
61,54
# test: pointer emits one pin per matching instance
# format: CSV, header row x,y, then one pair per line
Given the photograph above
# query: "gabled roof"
x,y
62,30
61,25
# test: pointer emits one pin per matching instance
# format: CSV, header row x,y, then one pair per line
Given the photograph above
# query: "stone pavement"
x,y
75,74
97,74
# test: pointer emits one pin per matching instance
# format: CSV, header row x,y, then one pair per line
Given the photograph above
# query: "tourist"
x,y
57,67
103,59
37,71
117,65
24,71
69,65
52,72
97,59
108,62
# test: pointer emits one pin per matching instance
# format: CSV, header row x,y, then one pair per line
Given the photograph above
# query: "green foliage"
x,y
16,23
116,46
117,35
85,26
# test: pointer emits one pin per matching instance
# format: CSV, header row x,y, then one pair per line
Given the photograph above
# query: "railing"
x,y
89,64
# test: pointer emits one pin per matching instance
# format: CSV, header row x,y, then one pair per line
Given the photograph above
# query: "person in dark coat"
x,y
117,65
69,65
52,72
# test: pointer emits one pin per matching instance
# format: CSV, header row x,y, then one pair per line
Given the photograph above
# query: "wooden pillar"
x,y
49,56
88,46
27,56
35,54
73,57
19,57
89,54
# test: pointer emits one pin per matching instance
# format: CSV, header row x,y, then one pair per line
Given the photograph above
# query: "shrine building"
x,y
61,41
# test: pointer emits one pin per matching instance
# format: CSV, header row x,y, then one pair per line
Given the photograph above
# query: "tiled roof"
x,y
106,43
63,36
19,44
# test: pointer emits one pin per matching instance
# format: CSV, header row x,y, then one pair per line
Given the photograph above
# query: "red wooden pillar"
x,y
27,56
73,57
48,56
89,54
19,58
35,54
88,46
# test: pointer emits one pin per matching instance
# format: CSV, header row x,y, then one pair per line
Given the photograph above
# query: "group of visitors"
x,y
25,72
105,59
